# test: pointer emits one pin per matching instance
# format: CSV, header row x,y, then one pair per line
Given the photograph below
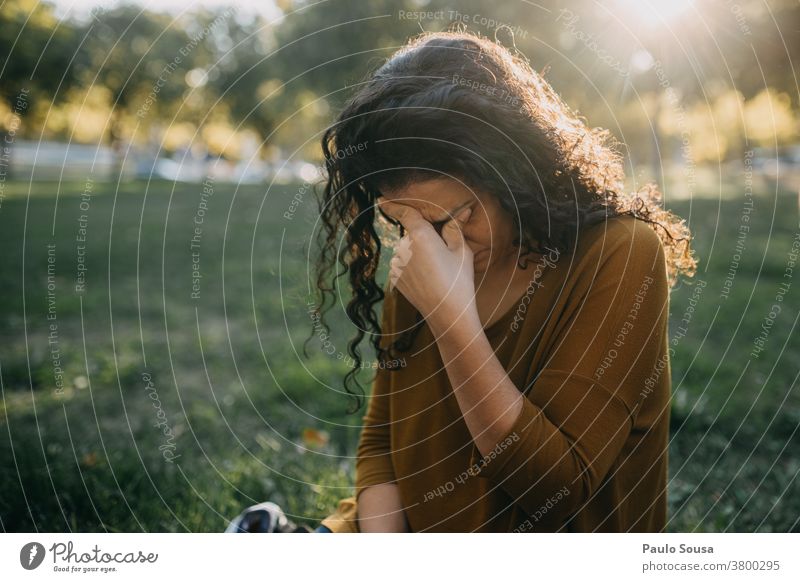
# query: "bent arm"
x,y
571,424
378,504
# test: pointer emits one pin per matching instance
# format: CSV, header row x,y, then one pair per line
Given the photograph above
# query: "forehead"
x,y
433,197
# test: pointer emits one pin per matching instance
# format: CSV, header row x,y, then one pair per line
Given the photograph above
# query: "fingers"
x,y
403,251
451,232
401,257
463,215
409,217
395,271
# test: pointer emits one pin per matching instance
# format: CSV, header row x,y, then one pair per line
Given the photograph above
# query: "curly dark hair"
x,y
460,105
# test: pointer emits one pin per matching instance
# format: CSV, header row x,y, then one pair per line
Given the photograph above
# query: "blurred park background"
x,y
157,165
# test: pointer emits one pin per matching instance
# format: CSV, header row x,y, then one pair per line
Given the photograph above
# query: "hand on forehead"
x,y
434,200
411,217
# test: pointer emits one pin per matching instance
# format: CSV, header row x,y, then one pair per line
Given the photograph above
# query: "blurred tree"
x,y
38,51
242,76
141,58
221,72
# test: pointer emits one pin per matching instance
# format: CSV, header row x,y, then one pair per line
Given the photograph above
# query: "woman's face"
x,y
489,231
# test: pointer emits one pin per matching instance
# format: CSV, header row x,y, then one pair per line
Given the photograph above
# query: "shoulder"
x,y
621,248
621,230
619,237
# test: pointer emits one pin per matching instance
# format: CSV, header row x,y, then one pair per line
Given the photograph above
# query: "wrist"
x,y
464,323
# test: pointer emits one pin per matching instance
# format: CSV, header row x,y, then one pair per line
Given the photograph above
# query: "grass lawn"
x,y
153,377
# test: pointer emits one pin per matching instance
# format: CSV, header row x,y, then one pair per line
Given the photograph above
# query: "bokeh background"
x,y
157,223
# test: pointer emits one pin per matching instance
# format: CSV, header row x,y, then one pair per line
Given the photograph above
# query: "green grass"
x,y
88,458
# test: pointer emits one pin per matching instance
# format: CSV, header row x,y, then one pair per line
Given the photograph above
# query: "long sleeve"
x,y
582,404
373,460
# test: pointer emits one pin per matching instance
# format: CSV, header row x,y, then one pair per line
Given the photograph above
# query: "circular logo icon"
x,y
31,555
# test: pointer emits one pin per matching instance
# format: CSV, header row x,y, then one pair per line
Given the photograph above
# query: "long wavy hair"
x,y
460,105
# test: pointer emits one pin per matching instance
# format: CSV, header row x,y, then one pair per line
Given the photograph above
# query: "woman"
x,y
524,382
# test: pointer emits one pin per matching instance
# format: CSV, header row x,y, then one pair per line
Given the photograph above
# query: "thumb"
x,y
451,232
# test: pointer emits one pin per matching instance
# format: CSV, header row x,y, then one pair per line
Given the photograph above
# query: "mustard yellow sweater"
x,y
588,346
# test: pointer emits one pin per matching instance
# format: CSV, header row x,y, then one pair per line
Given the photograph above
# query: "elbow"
x,y
563,492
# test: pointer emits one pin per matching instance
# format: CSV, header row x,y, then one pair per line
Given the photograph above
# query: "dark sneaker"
x,y
265,517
